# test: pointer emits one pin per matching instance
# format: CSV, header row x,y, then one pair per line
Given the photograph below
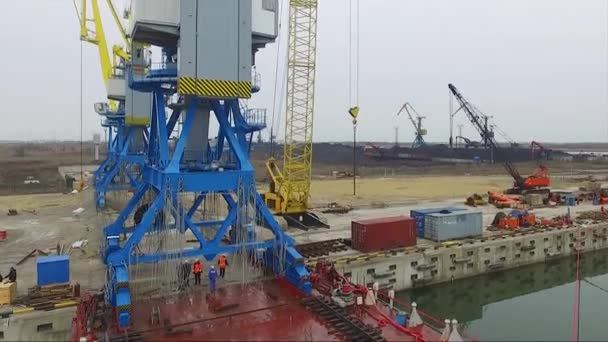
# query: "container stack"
x,y
419,215
453,225
383,233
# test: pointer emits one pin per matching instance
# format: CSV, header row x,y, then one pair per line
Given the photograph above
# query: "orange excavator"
x,y
537,182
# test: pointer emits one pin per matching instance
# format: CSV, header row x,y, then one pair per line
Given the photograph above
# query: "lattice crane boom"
x,y
301,65
290,188
478,120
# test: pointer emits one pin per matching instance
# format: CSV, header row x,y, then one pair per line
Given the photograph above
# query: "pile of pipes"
x,y
593,215
558,221
51,297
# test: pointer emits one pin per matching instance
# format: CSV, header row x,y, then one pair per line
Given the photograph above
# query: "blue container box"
x,y
570,200
401,318
419,214
53,270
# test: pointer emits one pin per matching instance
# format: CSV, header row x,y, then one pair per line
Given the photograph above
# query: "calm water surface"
x,y
529,303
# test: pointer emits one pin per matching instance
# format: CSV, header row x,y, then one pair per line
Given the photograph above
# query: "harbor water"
x,y
534,302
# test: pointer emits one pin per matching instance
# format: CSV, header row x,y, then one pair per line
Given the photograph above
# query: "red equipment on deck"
x,y
267,310
539,179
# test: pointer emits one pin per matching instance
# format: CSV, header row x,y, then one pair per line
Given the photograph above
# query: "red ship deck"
x,y
265,311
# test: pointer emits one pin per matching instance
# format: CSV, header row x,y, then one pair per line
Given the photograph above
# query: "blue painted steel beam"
x,y
207,223
206,253
194,181
165,173
119,158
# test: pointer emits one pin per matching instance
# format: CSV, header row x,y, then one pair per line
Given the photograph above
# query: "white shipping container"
x,y
455,225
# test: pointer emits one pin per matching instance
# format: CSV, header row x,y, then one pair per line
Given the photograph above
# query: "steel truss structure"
x,y
167,176
121,170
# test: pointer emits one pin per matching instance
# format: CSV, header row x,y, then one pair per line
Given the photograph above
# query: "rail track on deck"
x,y
344,322
322,248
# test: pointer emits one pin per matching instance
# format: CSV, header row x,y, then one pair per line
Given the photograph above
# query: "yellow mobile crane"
x,y
290,188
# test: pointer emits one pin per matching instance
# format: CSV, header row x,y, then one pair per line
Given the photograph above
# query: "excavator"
x,y
537,182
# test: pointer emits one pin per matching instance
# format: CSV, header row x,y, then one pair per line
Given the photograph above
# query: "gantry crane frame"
x,y
120,159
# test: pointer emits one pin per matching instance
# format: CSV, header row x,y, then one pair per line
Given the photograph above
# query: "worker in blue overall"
x,y
212,277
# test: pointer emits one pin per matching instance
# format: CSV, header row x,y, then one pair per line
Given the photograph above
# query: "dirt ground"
x,y
45,220
411,188
41,161
404,188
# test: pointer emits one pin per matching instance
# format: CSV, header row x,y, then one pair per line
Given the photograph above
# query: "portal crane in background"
x,y
126,142
416,120
539,151
289,192
538,180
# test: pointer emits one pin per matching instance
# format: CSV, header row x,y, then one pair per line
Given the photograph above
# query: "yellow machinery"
x,y
97,36
110,68
290,188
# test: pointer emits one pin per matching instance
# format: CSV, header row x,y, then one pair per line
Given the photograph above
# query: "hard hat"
x,y
212,267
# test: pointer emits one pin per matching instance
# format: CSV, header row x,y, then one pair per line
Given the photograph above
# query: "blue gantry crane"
x,y
208,50
126,115
121,169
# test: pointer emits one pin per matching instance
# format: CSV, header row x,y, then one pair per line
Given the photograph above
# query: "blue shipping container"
x,y
419,214
53,270
570,200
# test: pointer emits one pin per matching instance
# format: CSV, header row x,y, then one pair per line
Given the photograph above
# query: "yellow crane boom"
x,y
290,188
96,36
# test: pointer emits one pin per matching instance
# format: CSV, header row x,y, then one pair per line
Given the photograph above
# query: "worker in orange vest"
x,y
222,262
197,269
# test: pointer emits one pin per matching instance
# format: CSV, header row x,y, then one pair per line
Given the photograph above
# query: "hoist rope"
x,y
350,53
577,293
81,101
357,58
353,62
276,84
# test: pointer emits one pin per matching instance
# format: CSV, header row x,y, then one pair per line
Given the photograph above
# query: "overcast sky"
x,y
539,67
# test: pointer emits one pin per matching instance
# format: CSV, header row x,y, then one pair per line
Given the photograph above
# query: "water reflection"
x,y
523,303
